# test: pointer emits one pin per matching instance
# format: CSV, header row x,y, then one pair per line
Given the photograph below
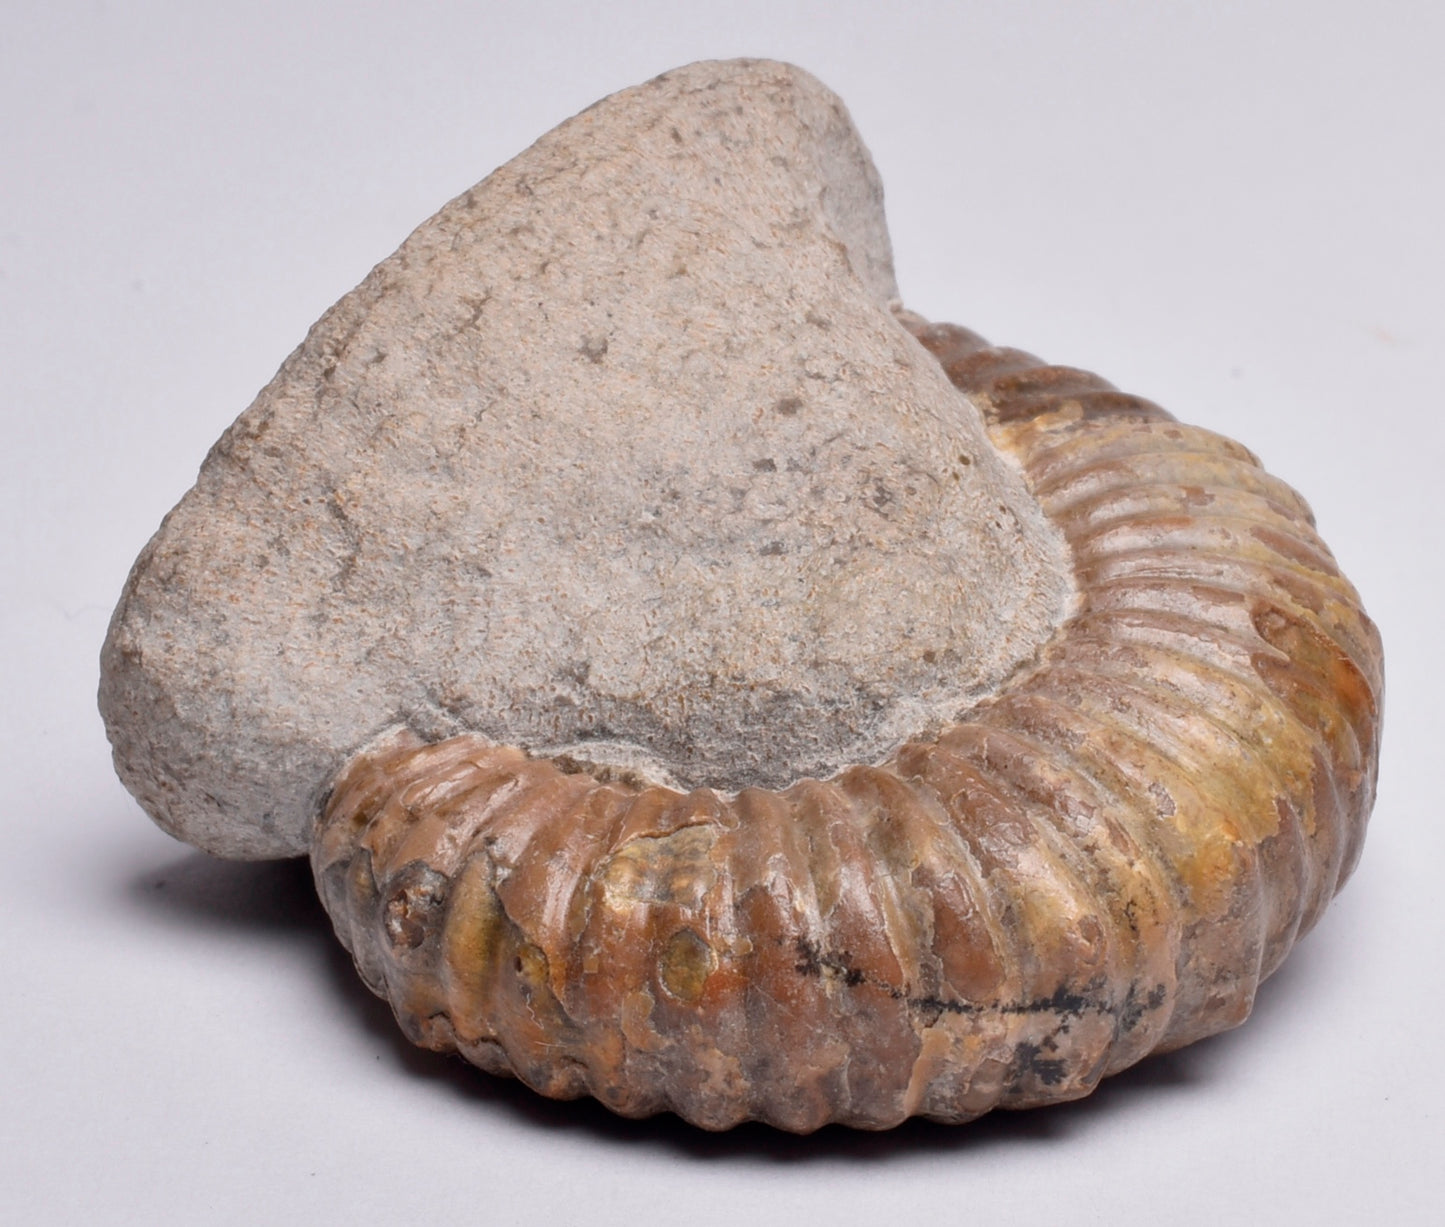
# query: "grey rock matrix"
x,y
622,456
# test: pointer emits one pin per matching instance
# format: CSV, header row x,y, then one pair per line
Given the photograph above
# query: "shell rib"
x,y
1100,861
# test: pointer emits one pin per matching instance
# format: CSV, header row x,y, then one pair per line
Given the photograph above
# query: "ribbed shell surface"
x,y
1101,861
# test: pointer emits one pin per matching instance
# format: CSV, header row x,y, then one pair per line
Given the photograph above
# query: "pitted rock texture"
x,y
622,458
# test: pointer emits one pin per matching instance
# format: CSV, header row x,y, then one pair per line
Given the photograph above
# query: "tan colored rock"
x,y
621,457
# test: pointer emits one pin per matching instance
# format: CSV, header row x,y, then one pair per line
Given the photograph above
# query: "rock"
x,y
621,458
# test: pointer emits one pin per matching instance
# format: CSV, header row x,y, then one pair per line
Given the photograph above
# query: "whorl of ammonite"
x,y
1099,861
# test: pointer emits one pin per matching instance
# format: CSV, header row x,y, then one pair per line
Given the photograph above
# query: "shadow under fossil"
x,y
278,897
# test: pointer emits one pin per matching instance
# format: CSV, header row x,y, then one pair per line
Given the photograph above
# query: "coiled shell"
x,y
1100,861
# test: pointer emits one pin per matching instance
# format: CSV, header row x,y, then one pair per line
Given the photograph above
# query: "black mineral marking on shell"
x,y
1135,1006
813,962
1049,1071
1066,1003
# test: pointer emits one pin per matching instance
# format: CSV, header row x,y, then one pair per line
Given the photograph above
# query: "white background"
x,y
1235,209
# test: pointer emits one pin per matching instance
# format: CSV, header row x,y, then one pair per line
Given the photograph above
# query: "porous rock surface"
x,y
621,458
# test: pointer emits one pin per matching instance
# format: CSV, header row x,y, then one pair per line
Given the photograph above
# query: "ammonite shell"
x,y
724,692
1101,861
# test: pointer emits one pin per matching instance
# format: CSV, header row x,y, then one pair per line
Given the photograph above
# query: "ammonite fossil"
x,y
702,684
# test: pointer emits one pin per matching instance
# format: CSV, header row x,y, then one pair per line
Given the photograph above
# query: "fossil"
x,y
703,684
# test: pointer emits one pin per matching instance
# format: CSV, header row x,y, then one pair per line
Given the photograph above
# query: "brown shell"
x,y
1101,861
